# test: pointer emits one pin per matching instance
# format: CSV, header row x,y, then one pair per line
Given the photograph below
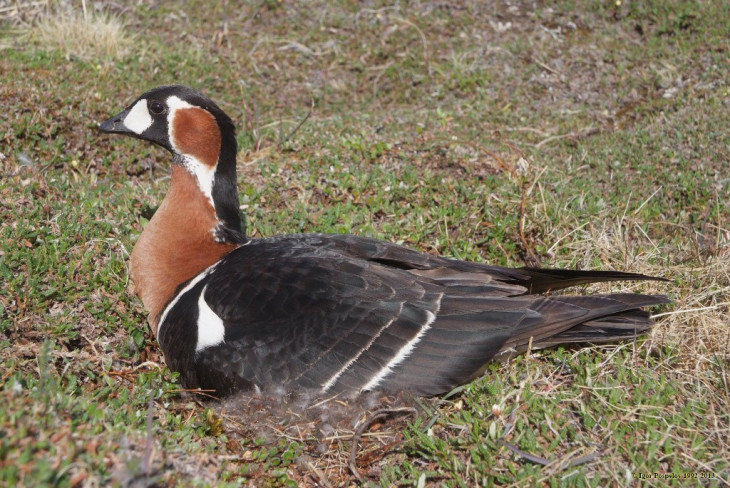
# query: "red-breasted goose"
x,y
329,313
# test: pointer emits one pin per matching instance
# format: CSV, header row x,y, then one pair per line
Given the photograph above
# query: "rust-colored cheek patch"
x,y
195,133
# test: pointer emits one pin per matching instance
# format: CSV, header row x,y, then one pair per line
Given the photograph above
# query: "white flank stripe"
x,y
138,119
187,288
211,330
404,352
328,384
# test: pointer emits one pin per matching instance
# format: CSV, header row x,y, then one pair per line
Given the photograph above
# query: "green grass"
x,y
574,135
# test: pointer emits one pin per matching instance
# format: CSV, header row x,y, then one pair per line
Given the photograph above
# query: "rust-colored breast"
x,y
177,244
195,133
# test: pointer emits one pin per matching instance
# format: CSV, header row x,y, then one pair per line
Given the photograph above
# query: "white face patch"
x,y
138,119
211,330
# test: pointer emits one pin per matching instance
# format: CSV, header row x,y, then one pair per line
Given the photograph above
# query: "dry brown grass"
x,y
18,11
85,33
692,337
697,265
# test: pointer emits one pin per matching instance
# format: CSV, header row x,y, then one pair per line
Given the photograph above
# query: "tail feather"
x,y
613,328
542,280
463,338
612,324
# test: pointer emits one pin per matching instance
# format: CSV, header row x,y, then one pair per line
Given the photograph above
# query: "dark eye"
x,y
156,107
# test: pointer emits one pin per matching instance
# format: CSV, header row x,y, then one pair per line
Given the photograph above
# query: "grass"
x,y
84,35
573,135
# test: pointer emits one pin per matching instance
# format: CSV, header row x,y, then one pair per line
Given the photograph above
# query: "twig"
x,y
523,239
147,459
321,478
546,67
299,125
122,374
377,415
576,229
195,391
573,135
689,310
147,364
423,40
584,459
526,455
546,462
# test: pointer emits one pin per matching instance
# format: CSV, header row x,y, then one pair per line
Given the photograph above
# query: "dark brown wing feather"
x,y
342,313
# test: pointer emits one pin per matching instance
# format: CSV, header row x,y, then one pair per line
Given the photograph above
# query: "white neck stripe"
x,y
204,175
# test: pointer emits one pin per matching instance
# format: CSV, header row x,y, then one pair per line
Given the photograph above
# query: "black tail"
x,y
610,328
543,280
